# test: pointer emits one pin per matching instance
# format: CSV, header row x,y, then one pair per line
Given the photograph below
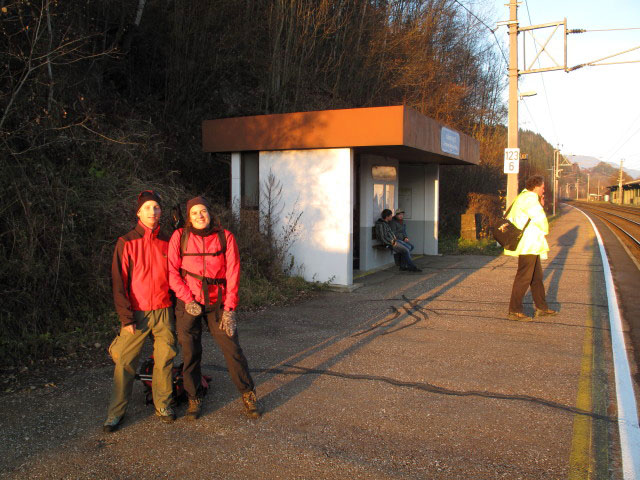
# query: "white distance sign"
x,y
511,160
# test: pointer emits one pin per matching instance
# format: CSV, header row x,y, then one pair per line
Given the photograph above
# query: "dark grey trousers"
x,y
529,274
189,330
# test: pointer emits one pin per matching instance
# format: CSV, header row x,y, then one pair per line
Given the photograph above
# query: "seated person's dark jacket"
x,y
399,229
384,233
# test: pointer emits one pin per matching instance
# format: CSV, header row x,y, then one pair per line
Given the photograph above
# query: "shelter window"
x,y
384,185
249,180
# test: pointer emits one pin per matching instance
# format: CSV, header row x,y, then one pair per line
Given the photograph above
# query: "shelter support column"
x,y
235,182
431,210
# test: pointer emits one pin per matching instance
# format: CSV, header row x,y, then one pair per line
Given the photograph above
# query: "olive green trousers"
x,y
125,352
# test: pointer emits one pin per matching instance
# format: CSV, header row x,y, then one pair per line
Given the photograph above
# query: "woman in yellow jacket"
x,y
532,247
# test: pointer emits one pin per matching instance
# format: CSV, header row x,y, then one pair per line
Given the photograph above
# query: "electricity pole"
x,y
514,73
588,186
556,154
512,127
620,183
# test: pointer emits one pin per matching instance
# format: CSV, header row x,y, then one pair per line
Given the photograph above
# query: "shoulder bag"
x,y
506,233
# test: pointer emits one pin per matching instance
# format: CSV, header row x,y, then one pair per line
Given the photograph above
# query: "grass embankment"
x,y
34,361
451,245
73,314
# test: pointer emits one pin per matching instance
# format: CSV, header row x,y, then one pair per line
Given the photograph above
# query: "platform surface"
x,y
409,376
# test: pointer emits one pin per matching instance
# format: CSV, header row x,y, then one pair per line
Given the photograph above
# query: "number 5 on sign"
x,y
511,160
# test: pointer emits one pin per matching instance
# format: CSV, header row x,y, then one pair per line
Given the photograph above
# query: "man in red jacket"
x,y
204,273
141,296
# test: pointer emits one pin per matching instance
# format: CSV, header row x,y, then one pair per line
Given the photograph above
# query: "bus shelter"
x,y
338,169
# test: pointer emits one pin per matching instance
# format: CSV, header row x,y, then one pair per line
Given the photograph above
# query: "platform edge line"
x,y
626,402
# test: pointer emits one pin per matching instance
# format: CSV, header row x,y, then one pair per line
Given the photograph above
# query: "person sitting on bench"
x,y
386,236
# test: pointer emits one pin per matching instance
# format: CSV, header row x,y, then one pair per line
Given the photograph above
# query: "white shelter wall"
x,y
418,196
319,184
411,199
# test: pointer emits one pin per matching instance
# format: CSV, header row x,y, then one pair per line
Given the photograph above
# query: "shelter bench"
x,y
377,245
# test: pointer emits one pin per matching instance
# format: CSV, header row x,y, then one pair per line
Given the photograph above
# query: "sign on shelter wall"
x,y
449,141
405,201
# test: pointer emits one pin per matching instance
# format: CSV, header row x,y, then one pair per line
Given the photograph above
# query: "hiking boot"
x,y
251,406
519,316
111,424
167,414
545,313
194,409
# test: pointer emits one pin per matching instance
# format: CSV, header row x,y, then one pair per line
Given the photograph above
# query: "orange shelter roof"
x,y
397,131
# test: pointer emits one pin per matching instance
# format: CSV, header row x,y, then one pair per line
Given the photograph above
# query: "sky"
x,y
592,111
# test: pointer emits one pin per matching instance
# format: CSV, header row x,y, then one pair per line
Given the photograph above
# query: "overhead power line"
x,y
595,63
622,137
531,116
625,142
544,87
493,32
582,30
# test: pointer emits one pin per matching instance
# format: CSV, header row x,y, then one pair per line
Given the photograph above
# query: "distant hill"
x,y
587,162
605,169
583,161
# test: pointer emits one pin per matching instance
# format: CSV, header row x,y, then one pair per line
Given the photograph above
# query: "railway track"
x,y
624,220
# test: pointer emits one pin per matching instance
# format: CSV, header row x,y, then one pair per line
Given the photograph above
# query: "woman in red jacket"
x,y
204,273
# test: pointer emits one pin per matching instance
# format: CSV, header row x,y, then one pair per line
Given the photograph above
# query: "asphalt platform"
x,y
411,376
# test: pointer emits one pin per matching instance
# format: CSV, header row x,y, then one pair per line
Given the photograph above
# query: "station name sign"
x,y
450,141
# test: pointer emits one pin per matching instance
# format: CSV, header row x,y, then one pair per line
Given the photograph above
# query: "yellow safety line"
x,y
580,459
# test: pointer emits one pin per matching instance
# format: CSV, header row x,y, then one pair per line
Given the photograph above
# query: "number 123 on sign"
x,y
511,160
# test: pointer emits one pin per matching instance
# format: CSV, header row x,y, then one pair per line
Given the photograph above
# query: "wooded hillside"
x,y
101,99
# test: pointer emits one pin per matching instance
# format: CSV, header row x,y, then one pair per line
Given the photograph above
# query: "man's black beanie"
x,y
145,196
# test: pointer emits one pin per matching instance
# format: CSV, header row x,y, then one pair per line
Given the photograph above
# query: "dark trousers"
x,y
189,330
529,274
402,250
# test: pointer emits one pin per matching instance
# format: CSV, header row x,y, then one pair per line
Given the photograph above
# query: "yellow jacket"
x,y
533,241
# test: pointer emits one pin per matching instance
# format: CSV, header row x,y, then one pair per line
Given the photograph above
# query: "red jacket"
x,y
139,272
225,267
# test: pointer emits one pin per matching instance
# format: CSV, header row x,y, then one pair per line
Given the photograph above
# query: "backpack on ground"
x,y
179,394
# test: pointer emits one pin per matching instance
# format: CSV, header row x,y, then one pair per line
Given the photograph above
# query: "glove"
x,y
193,308
228,323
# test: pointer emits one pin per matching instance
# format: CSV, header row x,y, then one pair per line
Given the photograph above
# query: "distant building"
x,y
340,169
630,193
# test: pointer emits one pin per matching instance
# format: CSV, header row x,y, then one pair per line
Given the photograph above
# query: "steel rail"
x,y
631,210
608,212
633,239
608,205
617,208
